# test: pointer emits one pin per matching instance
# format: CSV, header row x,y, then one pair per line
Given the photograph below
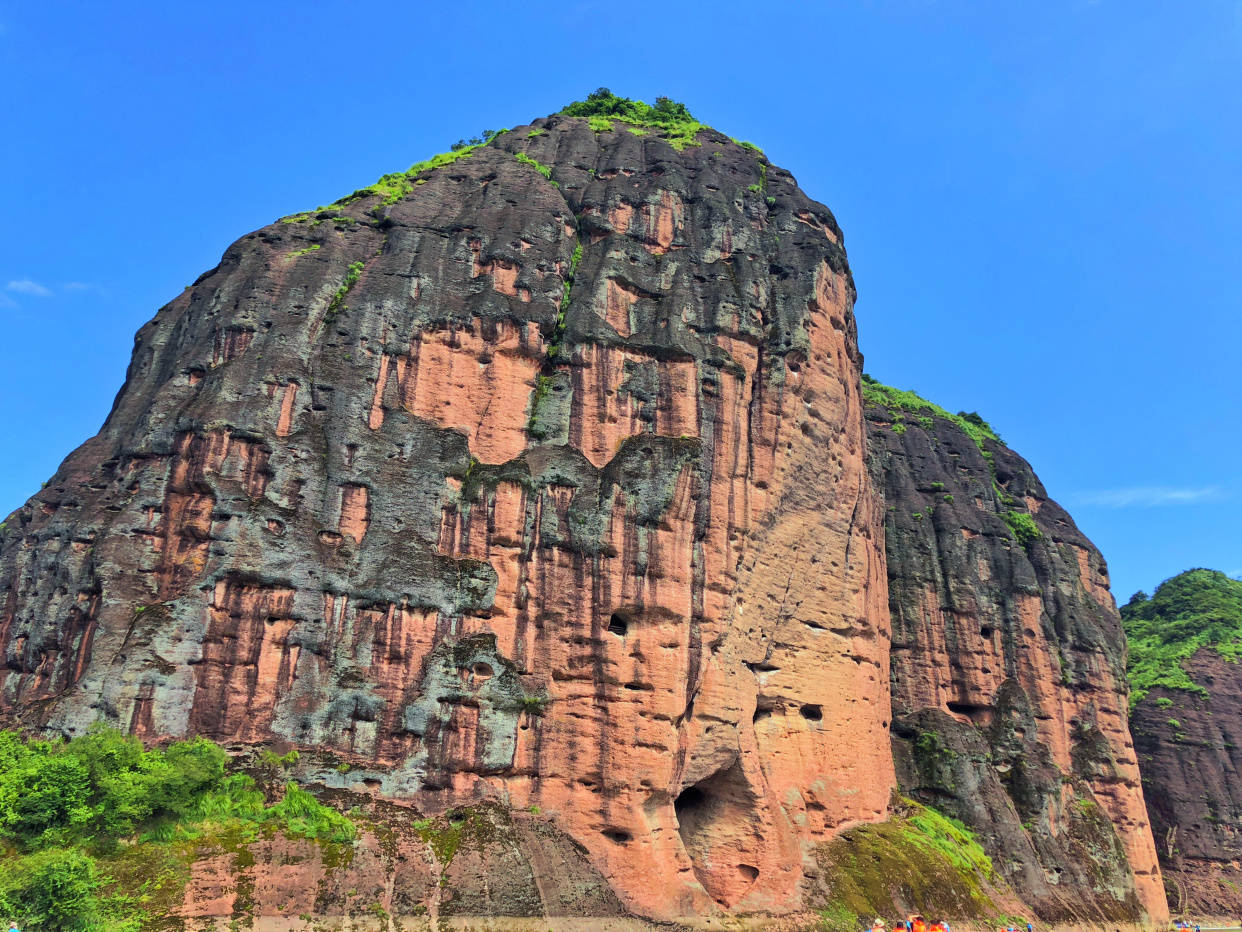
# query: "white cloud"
x,y
1149,496
26,286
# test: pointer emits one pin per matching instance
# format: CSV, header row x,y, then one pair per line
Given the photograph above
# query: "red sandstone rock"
x,y
1009,690
630,570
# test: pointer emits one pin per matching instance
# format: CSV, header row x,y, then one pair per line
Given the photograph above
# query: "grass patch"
x,y
1197,609
1023,527
302,252
919,857
337,304
895,399
537,166
394,186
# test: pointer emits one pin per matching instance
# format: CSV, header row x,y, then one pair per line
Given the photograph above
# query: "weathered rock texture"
x,y
481,861
1008,672
1188,748
362,492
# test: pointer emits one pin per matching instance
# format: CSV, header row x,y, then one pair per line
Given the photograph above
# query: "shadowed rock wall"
x,y
1008,671
547,492
1188,747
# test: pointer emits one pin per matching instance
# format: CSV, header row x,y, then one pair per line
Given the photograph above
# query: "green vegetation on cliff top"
x,y
672,119
98,833
1196,609
897,401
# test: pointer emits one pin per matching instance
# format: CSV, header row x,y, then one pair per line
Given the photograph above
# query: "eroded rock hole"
x,y
618,624
688,805
718,825
812,713
617,835
763,708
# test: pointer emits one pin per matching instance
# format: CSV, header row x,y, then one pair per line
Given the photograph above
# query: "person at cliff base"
x,y
919,924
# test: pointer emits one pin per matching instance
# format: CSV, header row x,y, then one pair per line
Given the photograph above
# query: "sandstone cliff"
x,y
1008,666
533,474
1187,724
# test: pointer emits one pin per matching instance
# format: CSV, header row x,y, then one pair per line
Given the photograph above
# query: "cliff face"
x,y
1008,666
1188,729
538,479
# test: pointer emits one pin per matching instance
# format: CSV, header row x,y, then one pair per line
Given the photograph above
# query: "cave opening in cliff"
x,y
718,825
618,624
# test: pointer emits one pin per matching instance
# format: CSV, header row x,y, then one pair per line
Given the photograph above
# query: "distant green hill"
x,y
1195,609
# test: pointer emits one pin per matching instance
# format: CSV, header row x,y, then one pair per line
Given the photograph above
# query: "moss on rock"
x,y
917,861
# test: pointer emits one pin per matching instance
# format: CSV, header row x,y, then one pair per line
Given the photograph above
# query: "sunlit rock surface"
x,y
365,492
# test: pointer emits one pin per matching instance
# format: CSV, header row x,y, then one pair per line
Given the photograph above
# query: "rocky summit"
x,y
542,479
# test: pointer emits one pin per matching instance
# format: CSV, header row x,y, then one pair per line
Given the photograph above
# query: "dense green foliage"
x,y
898,401
1194,610
674,121
72,812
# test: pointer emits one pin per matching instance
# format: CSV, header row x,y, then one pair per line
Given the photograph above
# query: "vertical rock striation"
x,y
532,479
1008,666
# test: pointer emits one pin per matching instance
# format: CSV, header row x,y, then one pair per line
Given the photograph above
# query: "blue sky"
x,y
1042,201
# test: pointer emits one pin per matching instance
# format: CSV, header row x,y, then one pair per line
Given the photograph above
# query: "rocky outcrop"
x,y
533,479
1188,749
1008,666
1188,730
474,862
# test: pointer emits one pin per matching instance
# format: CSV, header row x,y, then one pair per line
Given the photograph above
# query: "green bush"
x,y
602,107
55,889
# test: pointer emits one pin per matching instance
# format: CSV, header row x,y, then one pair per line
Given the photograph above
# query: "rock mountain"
x,y
543,475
